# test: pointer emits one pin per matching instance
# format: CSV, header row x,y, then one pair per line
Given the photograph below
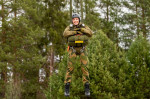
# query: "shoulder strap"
x,y
81,25
71,26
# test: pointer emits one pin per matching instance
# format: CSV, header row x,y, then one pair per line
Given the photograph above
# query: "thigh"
x,y
84,58
71,57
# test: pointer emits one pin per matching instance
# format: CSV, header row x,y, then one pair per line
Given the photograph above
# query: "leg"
x,y
71,61
70,68
85,76
84,65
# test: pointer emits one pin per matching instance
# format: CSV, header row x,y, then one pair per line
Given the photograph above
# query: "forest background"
x,y
33,56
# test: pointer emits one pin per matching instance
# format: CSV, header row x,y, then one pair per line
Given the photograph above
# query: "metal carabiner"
x,y
74,51
82,50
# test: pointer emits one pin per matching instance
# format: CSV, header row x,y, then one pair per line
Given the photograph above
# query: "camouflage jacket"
x,y
73,30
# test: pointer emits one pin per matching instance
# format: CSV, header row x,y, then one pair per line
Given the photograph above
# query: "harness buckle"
x,y
82,50
73,49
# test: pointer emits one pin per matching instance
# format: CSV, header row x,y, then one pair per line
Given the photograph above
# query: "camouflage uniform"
x,y
80,51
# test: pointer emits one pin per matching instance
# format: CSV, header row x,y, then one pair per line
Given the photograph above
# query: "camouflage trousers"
x,y
73,53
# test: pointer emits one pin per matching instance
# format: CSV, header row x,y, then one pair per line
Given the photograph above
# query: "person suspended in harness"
x,y
77,35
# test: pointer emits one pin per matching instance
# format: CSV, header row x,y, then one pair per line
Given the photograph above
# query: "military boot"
x,y
67,89
87,89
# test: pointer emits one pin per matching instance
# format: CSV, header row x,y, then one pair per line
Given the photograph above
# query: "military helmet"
x,y
75,15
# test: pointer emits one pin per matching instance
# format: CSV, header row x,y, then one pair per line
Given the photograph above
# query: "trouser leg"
x,y
84,67
70,68
85,75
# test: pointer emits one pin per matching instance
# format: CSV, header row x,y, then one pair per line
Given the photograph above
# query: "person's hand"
x,y
74,32
79,32
77,29
82,30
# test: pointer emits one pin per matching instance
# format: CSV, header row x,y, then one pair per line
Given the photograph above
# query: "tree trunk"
x,y
81,3
16,85
16,74
137,24
143,23
86,7
51,61
4,71
107,12
3,20
107,18
70,11
116,32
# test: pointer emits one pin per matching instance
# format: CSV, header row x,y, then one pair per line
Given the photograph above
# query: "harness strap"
x,y
74,50
78,34
68,48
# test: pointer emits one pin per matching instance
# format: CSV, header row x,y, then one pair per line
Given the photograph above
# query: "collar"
x,y
77,25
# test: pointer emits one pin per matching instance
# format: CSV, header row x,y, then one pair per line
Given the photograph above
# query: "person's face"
x,y
75,21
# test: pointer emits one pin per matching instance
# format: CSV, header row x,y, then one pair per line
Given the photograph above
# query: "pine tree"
x,y
3,46
107,69
20,53
70,11
23,52
28,50
110,22
136,20
91,16
54,22
139,58
56,81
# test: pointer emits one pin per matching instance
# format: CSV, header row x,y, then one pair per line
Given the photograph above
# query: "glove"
x,y
74,32
79,32
77,29
83,30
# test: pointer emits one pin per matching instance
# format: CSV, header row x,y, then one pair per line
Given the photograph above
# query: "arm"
x,y
87,31
68,33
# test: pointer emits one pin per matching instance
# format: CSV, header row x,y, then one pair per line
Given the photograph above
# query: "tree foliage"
x,y
107,71
140,68
33,56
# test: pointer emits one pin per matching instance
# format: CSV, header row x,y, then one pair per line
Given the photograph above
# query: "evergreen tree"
x,y
139,58
70,11
20,39
54,21
91,16
110,21
4,12
20,53
107,69
134,21
32,45
56,81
